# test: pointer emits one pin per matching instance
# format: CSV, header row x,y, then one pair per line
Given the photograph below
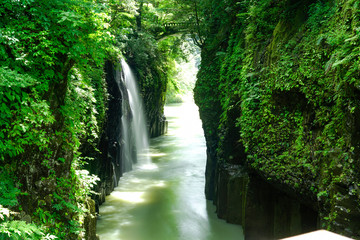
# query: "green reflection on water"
x,y
167,202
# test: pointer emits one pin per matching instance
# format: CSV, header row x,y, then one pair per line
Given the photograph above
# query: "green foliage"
x,y
182,81
154,65
24,114
7,189
289,94
9,78
13,230
41,34
52,99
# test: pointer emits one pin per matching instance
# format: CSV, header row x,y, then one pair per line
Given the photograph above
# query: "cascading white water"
x,y
127,144
164,200
167,203
137,125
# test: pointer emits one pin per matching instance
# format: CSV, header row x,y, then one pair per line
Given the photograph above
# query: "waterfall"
x,y
135,145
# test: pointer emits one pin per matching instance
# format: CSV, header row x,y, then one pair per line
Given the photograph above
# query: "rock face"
x,y
264,211
159,126
152,81
90,221
279,101
108,164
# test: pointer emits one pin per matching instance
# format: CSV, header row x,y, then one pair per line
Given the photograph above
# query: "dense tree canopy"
x,y
53,99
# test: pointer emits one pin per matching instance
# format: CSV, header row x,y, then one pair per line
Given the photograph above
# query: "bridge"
x,y
172,28
179,24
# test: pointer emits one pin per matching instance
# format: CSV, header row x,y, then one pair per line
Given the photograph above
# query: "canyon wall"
x,y
107,162
279,99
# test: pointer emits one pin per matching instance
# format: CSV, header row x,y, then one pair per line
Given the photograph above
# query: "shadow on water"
x,y
167,202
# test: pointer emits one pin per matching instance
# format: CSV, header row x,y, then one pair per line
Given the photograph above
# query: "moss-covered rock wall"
x,y
151,68
106,154
279,99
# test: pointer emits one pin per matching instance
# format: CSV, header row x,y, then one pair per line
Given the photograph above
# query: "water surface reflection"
x,y
166,201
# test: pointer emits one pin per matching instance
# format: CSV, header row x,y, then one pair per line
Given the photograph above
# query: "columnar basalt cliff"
x,y
108,163
152,89
279,99
152,74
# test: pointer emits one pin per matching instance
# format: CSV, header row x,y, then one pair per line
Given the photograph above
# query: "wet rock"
x,y
246,199
107,163
90,221
345,211
231,193
159,127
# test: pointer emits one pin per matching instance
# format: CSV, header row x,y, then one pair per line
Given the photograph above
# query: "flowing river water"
x,y
165,200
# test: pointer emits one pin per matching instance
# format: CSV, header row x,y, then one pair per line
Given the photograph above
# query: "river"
x,y
166,201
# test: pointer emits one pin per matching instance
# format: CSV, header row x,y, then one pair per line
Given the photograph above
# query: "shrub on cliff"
x,y
50,101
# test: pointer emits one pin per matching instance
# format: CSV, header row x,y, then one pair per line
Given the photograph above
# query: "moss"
x,y
288,88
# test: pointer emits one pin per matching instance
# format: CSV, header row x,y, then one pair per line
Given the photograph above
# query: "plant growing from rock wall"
x,y
151,49
48,107
289,84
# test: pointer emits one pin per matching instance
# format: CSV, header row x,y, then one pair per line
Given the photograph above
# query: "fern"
x,y
19,230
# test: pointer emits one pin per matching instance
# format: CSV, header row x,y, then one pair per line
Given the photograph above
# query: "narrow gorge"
x,y
278,93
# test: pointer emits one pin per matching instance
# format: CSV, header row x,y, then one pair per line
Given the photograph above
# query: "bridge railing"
x,y
179,24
